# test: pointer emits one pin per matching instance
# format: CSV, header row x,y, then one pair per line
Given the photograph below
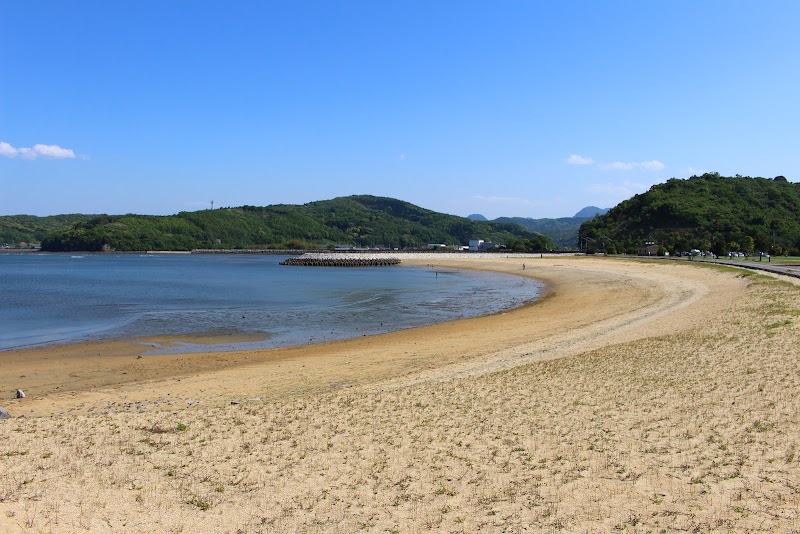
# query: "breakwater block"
x,y
341,262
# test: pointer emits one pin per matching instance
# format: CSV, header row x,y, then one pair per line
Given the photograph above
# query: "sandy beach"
x,y
634,395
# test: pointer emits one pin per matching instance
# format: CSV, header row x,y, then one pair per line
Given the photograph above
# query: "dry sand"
x,y
639,395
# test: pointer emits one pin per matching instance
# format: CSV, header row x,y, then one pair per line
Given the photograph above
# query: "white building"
x,y
475,245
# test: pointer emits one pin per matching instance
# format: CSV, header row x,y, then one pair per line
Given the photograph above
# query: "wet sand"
x,y
96,376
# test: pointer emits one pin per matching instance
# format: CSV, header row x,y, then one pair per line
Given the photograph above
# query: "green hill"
x,y
563,230
708,212
360,220
16,229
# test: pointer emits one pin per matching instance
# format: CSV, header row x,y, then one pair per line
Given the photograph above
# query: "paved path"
x,y
764,265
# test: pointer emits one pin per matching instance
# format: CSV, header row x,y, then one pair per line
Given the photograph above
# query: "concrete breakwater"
x,y
363,259
340,260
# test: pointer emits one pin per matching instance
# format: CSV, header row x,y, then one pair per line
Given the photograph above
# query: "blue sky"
x,y
522,108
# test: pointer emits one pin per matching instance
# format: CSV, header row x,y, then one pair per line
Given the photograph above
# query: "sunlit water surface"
x,y
58,298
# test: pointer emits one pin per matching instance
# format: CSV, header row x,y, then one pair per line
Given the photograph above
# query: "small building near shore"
x,y
648,249
479,245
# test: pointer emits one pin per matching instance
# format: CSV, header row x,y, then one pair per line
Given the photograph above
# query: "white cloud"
x,y
7,150
26,153
653,165
54,152
38,151
576,159
624,189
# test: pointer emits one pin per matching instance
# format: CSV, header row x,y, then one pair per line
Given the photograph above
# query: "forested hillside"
x,y
16,229
355,220
708,212
563,231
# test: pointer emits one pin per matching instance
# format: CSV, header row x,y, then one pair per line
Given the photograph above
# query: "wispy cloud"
x,y
36,152
624,189
653,165
576,159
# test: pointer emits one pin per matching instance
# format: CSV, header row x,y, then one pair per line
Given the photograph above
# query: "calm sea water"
x,y
57,298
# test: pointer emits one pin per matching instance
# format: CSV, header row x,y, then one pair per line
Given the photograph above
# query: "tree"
x,y
748,245
515,245
705,212
719,248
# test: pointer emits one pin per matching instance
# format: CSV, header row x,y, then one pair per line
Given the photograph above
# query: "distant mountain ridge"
x,y
563,230
358,220
590,211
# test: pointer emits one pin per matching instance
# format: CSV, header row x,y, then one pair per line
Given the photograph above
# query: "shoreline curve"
x,y
636,395
585,302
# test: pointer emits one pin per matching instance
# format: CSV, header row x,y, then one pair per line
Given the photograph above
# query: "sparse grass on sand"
x,y
668,417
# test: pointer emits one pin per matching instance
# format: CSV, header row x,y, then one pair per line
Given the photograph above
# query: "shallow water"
x,y
58,298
